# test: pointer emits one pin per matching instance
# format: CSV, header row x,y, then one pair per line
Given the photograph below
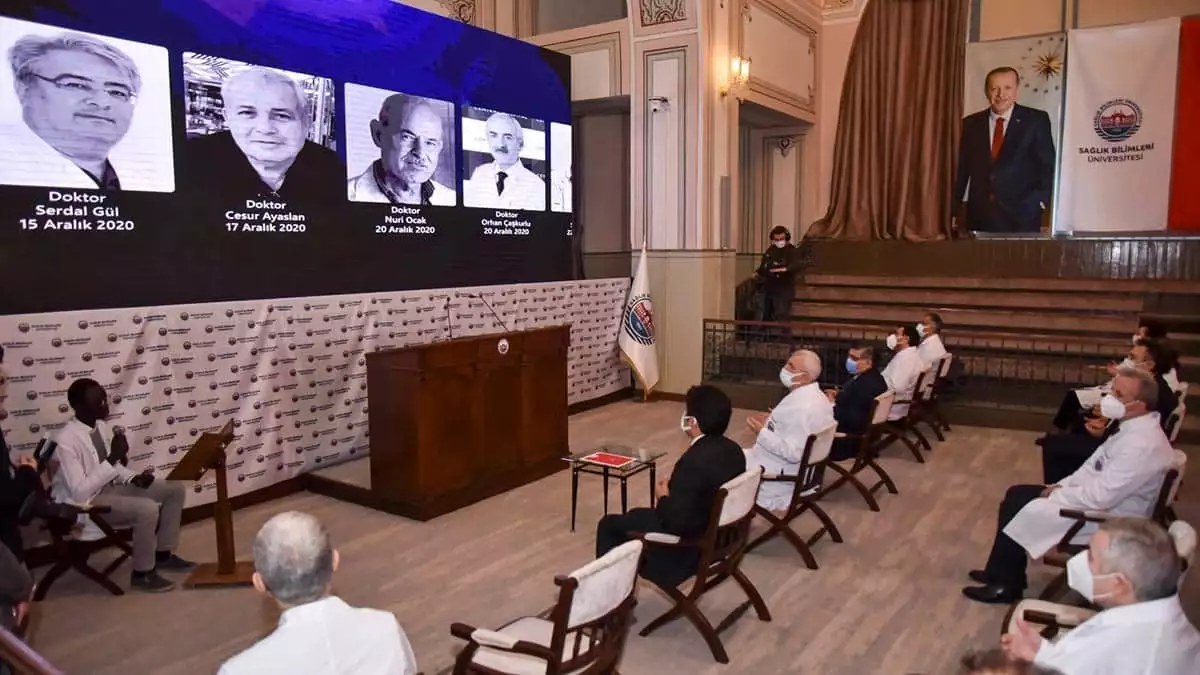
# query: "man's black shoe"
x,y
993,594
979,577
173,563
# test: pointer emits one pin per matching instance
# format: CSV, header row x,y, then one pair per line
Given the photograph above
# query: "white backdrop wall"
x,y
291,373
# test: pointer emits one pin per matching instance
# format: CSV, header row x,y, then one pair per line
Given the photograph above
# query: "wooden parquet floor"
x,y
886,601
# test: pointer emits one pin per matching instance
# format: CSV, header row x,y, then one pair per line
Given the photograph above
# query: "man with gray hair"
x,y
782,434
1131,570
410,136
318,633
264,153
77,96
1122,477
505,183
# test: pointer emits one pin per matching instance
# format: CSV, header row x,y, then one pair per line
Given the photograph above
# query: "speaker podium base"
x,y
206,575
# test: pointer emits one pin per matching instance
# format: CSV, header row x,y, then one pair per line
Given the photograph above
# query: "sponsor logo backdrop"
x,y
291,373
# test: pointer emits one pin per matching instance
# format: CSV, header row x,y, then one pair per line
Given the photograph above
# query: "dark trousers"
x,y
1068,413
661,565
613,529
777,302
1007,561
1064,454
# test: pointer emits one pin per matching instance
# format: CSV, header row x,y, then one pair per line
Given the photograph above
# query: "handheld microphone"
x,y
490,309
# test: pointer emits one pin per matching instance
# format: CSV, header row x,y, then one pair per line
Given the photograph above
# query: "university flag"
x,y
636,342
1185,170
1119,126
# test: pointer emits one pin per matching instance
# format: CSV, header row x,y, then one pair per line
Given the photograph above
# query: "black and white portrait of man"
x,y
497,147
83,111
260,133
400,148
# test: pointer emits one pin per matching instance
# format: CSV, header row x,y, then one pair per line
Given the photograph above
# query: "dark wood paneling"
x,y
1161,257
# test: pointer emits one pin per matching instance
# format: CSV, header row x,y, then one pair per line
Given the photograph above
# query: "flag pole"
x,y
645,392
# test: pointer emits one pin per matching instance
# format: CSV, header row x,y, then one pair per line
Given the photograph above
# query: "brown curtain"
x,y
898,123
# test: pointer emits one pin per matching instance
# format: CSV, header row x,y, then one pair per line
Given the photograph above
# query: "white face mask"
x,y
921,330
685,423
785,376
1112,408
1080,579
891,341
1136,337
779,244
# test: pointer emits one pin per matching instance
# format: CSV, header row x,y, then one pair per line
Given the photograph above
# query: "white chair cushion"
x,y
740,495
529,629
823,444
604,583
884,410
1184,536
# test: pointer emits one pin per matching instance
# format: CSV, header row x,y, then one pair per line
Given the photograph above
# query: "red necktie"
x,y
997,138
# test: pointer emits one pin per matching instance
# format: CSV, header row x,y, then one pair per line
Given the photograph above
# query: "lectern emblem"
x,y
502,346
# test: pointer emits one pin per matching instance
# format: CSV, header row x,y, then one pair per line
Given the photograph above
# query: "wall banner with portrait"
x,y
1007,175
194,151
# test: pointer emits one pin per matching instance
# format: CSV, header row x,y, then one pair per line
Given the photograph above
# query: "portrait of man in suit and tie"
x,y
1005,161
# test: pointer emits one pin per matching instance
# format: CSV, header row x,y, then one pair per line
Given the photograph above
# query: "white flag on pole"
x,y
636,342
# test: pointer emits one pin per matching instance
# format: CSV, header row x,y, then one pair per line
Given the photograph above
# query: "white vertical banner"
x,y
1118,128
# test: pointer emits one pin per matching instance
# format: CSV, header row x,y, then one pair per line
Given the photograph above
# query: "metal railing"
x,y
1018,373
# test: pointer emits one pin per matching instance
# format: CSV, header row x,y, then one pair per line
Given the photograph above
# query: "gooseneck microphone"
x,y
491,309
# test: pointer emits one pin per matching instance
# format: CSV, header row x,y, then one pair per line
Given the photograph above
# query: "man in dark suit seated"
x,y
852,404
1005,160
685,502
1064,453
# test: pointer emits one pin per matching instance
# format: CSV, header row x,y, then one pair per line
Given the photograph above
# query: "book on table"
x,y
608,459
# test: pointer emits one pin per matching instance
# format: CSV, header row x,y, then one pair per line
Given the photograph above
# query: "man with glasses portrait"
x,y
77,95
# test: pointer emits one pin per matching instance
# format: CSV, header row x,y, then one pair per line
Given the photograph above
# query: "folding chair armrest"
x,y
95,510
780,478
497,640
667,540
461,631
1085,516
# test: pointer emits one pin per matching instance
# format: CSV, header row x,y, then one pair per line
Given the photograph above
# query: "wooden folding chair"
x,y
73,546
931,406
899,429
867,457
815,455
584,632
721,548
1066,548
73,543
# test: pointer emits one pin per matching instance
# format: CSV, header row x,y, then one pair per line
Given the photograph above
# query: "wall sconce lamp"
x,y
739,75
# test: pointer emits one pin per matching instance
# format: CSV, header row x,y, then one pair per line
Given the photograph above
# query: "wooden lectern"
x,y
209,453
452,423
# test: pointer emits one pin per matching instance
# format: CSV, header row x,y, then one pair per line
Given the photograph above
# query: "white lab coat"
x,y
523,189
1147,638
932,350
901,375
29,160
329,637
1122,477
780,445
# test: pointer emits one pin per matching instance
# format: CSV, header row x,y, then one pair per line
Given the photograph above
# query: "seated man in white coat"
x,y
905,367
930,331
1132,572
783,433
318,634
1122,477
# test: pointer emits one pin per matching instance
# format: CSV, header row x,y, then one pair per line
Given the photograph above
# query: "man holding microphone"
x,y
92,470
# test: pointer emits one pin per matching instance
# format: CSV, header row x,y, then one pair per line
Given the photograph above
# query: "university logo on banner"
x,y
1119,128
